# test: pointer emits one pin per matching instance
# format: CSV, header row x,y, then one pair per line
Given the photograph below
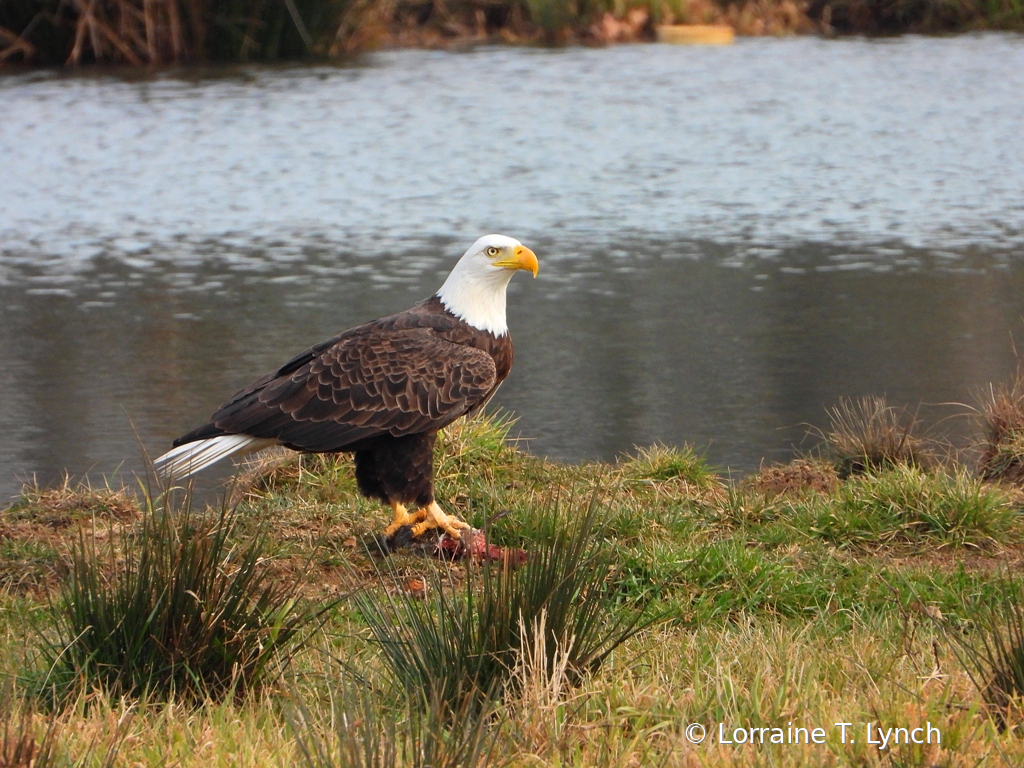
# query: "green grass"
x,y
908,505
891,596
660,464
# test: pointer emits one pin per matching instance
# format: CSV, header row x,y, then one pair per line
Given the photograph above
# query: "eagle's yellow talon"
x,y
403,518
435,517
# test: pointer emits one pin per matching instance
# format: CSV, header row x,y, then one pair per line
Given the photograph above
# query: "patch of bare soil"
x,y
794,479
1007,559
58,508
37,530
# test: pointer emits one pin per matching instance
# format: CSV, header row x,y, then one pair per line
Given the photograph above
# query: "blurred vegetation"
x,y
893,17
154,32
163,31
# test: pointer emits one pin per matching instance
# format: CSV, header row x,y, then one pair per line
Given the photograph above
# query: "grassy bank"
x,y
146,32
877,584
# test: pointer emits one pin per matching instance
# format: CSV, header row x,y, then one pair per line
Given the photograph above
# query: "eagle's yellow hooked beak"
x,y
521,258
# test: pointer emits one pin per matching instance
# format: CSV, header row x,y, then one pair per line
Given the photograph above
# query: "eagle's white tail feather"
x,y
178,463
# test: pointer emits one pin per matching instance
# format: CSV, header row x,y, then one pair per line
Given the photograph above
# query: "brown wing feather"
x,y
375,382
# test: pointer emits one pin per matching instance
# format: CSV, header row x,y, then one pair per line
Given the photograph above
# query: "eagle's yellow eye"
x,y
492,251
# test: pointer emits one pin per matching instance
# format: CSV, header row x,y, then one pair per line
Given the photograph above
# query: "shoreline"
x,y
137,33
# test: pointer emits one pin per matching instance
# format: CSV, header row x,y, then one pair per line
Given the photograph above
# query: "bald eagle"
x,y
381,390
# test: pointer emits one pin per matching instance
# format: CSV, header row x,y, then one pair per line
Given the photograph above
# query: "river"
x,y
731,239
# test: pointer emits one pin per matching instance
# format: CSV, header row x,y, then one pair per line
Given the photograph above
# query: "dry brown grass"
x,y
69,502
1002,420
544,697
868,434
157,32
19,747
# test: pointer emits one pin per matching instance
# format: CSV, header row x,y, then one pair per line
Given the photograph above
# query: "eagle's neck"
x,y
477,298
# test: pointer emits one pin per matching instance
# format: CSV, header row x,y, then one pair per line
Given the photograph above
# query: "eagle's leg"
x,y
402,517
435,517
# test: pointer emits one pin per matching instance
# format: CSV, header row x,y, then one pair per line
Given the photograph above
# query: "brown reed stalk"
x,y
178,49
90,25
150,23
12,45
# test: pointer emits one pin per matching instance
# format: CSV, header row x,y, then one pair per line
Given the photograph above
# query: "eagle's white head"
x,y
475,289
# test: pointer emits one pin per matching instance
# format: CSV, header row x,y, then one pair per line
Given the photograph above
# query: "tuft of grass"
x,y
867,435
27,740
28,564
175,608
1002,447
994,655
556,17
660,464
463,645
906,504
322,477
542,686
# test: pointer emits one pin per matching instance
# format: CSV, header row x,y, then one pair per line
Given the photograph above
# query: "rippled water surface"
x,y
730,238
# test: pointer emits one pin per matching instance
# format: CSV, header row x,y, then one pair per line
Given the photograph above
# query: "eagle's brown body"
x,y
382,390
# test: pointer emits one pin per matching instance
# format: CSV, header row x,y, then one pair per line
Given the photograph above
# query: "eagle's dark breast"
x,y
382,389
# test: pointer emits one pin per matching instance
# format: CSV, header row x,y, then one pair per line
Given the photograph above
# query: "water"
x,y
730,238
